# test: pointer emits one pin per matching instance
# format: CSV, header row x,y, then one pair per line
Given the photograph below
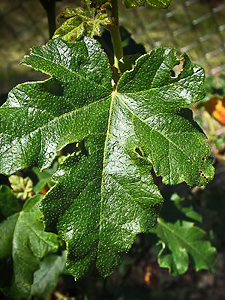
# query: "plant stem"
x,y
49,7
115,34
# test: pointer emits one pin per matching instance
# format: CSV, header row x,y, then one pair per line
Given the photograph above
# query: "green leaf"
x,y
9,204
94,225
186,208
156,3
7,229
25,237
80,22
40,118
46,278
180,240
105,196
44,177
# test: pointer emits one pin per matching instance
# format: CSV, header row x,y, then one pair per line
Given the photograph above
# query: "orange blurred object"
x,y
216,108
148,274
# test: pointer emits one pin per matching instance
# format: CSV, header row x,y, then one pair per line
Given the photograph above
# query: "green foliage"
x,y
46,277
130,124
80,22
8,203
24,243
44,177
156,3
180,239
107,195
215,87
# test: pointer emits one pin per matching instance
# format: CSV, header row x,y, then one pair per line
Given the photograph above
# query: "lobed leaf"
x,y
106,195
180,240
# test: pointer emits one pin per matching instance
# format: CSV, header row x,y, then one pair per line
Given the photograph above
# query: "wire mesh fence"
x,y
194,26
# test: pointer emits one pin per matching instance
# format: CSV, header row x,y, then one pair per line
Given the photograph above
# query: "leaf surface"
x,y
106,195
7,229
47,276
9,204
180,240
30,244
23,238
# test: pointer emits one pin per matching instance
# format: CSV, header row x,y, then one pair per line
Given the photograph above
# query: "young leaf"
x,y
104,197
82,22
185,207
156,3
180,240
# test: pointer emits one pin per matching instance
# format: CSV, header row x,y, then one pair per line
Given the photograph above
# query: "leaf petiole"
x,y
115,34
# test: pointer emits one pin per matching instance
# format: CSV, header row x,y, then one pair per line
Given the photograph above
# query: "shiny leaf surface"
x,y
105,195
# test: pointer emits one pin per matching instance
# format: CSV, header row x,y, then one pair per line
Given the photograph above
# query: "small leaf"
x,y
180,240
186,208
44,177
47,276
82,22
21,187
156,3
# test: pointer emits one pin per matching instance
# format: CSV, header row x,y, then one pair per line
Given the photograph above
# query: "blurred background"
x,y
195,26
